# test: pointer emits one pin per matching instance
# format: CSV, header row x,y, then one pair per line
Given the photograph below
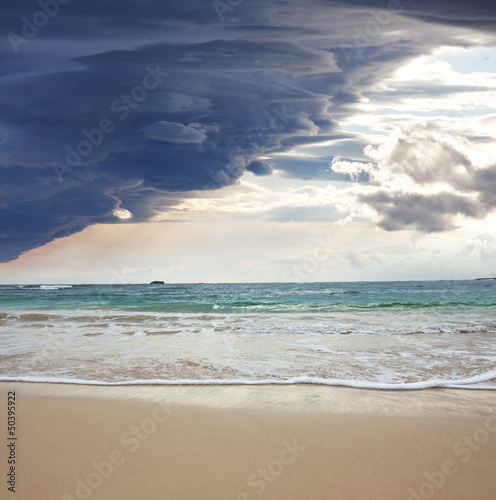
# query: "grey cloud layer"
x,y
428,156
425,213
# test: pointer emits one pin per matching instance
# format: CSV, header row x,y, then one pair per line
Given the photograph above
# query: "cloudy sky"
x,y
247,140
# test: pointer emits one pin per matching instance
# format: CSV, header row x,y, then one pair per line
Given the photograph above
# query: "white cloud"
x,y
177,132
351,168
426,178
482,245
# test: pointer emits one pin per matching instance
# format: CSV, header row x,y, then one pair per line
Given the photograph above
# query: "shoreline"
x,y
477,382
235,442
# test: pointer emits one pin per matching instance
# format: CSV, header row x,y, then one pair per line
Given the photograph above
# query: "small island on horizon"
x,y
157,283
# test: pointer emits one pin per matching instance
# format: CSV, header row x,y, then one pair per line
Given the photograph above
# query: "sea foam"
x,y
476,382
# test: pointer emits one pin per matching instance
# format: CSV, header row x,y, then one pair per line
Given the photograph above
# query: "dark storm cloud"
x,y
258,167
479,14
127,104
69,19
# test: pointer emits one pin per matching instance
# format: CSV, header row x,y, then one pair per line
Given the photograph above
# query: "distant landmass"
x,y
478,279
157,283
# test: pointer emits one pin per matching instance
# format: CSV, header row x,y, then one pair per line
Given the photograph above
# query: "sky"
x,y
247,140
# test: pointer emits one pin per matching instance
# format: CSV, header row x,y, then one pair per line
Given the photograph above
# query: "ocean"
x,y
380,335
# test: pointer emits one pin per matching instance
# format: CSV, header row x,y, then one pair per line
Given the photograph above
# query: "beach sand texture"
x,y
240,443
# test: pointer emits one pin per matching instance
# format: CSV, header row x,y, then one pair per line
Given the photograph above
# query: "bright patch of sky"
x,y
435,85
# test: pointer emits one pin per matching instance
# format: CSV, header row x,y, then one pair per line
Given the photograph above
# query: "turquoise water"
x,y
365,334
270,297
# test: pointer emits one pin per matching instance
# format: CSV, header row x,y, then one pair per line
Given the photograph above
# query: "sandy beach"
x,y
241,443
